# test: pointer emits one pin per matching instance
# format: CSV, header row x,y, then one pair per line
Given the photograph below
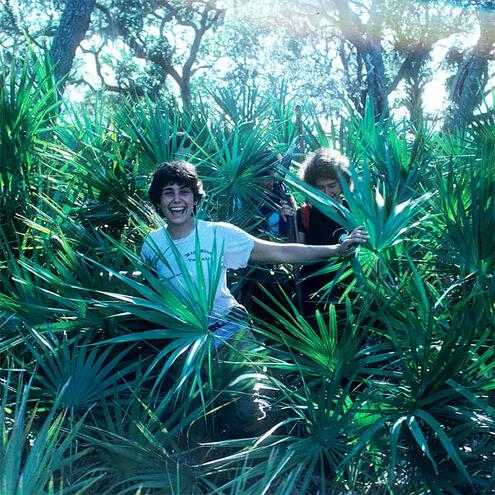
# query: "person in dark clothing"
x,y
271,213
272,208
324,169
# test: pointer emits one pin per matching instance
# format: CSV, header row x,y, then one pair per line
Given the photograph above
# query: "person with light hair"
x,y
326,169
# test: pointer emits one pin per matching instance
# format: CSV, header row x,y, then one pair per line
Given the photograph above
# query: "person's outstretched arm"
x,y
276,252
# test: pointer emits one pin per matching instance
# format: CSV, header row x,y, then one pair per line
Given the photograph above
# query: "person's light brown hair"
x,y
325,163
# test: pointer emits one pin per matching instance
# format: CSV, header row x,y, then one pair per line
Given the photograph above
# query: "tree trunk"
x,y
185,93
376,80
71,30
466,91
370,50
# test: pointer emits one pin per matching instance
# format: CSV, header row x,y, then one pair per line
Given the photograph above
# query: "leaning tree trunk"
x,y
71,30
466,91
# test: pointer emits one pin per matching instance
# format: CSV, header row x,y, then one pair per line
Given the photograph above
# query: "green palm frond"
x,y
246,107
386,219
101,176
390,223
78,375
139,449
28,104
424,409
321,432
465,212
152,131
283,115
233,174
321,348
33,453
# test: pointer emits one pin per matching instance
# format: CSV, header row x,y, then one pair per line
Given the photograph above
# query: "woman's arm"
x,y
276,252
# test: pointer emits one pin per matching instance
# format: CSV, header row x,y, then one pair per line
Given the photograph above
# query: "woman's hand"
x,y
357,237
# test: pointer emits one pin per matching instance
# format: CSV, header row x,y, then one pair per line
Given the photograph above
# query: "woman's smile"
x,y
177,205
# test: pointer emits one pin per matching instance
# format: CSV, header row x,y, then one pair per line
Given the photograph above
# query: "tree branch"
x,y
417,55
78,82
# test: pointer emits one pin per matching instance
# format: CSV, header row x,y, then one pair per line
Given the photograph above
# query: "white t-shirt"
x,y
220,246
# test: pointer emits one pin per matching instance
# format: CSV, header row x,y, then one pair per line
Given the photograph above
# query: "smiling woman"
x,y
191,244
175,191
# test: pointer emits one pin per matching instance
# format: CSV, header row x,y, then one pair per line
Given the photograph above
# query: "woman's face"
x,y
330,187
177,205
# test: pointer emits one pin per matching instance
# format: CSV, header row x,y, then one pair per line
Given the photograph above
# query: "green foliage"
x,y
27,107
389,392
33,455
76,375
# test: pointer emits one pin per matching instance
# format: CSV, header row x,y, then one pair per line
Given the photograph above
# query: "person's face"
x,y
185,150
177,205
267,181
330,187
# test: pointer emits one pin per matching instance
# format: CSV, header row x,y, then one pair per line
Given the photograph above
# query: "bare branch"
x,y
80,81
134,90
416,56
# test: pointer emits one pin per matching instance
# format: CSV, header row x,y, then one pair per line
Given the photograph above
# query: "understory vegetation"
x,y
107,379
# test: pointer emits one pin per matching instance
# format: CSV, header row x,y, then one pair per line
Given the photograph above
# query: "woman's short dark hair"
x,y
325,163
266,159
177,172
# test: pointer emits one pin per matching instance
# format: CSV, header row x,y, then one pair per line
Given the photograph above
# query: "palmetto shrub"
x,y
28,104
392,394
